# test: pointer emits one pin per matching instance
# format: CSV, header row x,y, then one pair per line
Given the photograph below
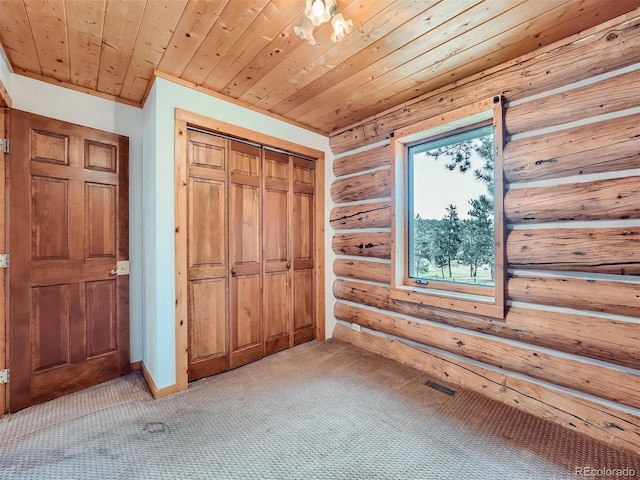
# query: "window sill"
x,y
485,306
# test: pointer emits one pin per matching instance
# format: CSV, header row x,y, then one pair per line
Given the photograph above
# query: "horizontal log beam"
x,y
603,296
599,338
610,95
598,380
362,270
574,413
603,250
363,244
607,146
359,162
362,215
362,187
610,46
601,200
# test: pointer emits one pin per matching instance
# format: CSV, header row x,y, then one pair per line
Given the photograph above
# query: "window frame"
x,y
484,300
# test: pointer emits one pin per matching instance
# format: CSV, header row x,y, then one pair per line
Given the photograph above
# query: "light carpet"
x,y
320,411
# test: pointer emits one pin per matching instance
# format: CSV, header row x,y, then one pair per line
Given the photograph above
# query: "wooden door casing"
x,y
69,315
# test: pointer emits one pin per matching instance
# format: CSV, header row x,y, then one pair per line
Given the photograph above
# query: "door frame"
x,y
184,119
4,205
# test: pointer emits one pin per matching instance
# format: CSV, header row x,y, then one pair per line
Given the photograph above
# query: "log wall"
x,y
572,205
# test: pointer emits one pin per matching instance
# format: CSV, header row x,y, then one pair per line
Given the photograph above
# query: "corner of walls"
x,y
148,263
5,78
329,254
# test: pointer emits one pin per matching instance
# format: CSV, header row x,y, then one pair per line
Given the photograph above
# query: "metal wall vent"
x,y
440,388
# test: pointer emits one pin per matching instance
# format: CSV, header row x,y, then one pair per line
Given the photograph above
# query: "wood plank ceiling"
x,y
247,50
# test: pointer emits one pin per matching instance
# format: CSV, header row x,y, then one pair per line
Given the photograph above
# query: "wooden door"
x,y
69,312
277,301
245,247
303,251
207,253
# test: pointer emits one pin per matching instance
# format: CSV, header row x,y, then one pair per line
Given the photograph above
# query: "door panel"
x,y
303,251
207,252
50,218
208,352
50,312
245,237
101,317
277,311
68,215
100,202
100,156
277,252
206,248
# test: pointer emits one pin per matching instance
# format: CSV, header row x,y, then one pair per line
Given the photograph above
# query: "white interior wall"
x,y
5,71
158,191
68,105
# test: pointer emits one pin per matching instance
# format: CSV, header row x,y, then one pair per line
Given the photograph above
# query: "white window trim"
x,y
491,305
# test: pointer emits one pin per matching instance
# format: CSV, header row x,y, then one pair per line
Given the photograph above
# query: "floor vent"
x,y
440,388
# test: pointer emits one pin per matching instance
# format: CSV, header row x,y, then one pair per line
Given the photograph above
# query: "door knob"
x,y
288,265
233,272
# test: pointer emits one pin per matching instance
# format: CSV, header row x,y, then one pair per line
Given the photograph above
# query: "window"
x,y
448,194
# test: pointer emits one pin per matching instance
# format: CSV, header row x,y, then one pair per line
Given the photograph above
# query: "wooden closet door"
x,y
245,246
207,253
303,251
277,304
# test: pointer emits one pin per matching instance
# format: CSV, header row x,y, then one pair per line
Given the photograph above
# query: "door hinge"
x,y
4,376
4,145
4,260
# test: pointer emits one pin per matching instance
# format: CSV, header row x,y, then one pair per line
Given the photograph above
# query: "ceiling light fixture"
x,y
318,12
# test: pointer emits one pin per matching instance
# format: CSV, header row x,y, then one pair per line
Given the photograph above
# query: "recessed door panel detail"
x,y
49,218
208,332
100,203
246,311
303,227
303,301
50,310
207,151
277,304
100,156
101,317
276,170
276,226
244,217
207,223
49,147
245,159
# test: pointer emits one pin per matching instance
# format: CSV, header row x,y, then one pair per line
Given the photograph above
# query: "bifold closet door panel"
x,y
303,250
245,247
207,255
276,213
